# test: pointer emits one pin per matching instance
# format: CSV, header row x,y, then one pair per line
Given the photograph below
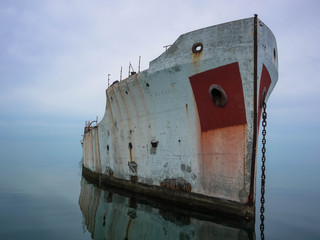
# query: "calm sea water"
x,y
43,196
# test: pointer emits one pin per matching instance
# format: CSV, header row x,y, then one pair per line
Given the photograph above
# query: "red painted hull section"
x,y
264,88
210,115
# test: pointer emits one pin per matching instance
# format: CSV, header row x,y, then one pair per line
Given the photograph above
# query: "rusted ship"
x,y
185,130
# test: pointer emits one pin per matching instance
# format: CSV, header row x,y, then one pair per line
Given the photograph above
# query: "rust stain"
x,y
113,135
128,227
97,150
196,67
116,102
178,184
196,59
128,116
124,104
88,148
133,102
109,106
108,158
130,150
134,179
109,171
187,111
222,164
126,113
145,109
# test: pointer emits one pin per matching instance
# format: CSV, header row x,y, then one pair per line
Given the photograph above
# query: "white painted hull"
x,y
161,124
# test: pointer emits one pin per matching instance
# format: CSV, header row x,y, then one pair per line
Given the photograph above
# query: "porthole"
x,y
197,47
218,95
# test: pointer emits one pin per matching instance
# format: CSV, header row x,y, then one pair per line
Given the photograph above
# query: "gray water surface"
x,y
41,190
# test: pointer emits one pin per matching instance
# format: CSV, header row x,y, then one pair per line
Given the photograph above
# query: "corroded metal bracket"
x,y
178,184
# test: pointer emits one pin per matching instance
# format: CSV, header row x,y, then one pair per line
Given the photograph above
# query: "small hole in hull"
x,y
154,143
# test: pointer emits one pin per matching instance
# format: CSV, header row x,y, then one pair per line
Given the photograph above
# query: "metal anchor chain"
x,y
263,168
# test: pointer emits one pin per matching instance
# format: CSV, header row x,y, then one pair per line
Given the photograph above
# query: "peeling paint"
x,y
165,119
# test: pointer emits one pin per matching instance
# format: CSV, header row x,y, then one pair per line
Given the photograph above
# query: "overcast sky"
x,y
56,55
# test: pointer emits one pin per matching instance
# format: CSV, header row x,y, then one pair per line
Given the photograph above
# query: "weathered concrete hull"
x,y
223,208
190,122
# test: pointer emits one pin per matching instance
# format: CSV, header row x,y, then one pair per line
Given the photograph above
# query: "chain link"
x,y
263,168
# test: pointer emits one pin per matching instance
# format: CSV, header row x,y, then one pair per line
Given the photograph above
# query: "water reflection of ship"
x,y
112,214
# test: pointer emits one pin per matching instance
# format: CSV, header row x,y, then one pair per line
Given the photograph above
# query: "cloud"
x,y
57,54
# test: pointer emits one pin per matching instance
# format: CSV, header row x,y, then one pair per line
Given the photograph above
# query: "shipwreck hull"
x,y
190,122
